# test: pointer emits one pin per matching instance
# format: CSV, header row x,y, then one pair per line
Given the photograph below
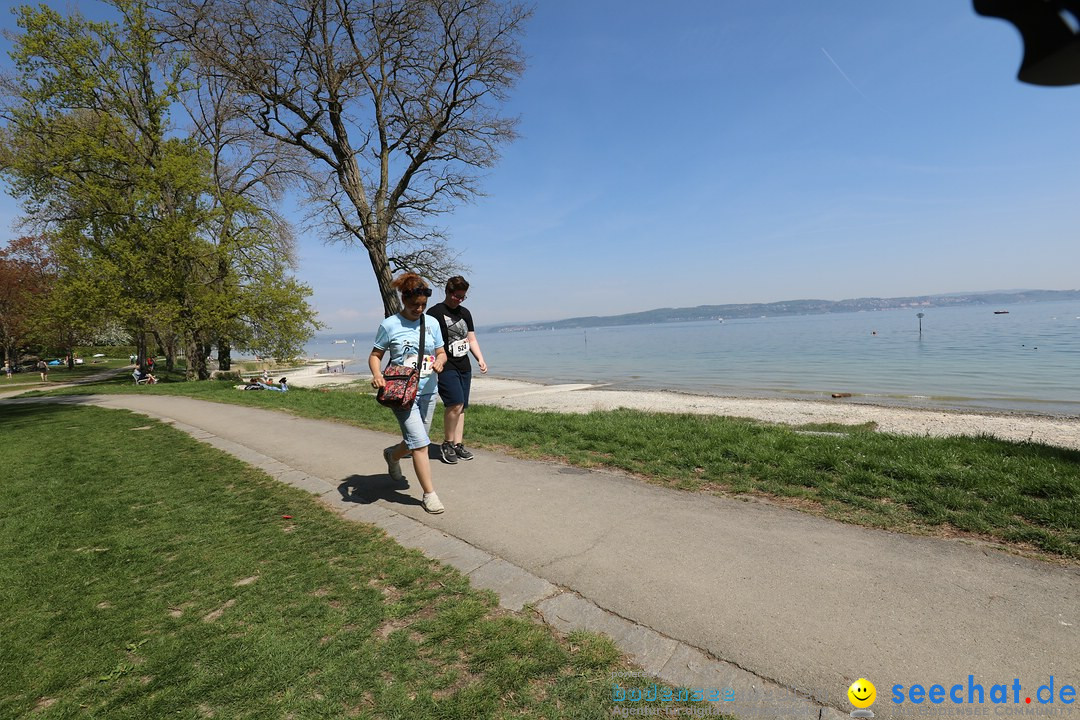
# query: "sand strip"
x,y
515,394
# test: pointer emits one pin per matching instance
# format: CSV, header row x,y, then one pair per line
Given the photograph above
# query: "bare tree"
x,y
395,103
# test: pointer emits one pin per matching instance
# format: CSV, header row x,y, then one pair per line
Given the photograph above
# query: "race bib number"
x,y
425,368
459,348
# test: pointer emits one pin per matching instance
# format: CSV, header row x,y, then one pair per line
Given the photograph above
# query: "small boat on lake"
x,y
1001,312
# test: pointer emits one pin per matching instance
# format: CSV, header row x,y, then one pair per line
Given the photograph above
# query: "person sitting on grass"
x,y
282,385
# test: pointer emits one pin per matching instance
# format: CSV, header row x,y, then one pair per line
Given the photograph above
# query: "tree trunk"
x,y
140,348
204,361
196,361
224,355
169,348
377,253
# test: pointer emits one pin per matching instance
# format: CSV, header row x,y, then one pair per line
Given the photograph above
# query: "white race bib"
x,y
425,369
459,348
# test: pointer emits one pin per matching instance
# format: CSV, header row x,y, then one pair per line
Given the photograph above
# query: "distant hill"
x,y
796,307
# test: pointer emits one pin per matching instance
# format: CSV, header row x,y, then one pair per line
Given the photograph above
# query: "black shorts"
x,y
454,387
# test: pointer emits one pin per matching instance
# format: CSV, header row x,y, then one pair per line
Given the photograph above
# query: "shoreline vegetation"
x,y
1012,481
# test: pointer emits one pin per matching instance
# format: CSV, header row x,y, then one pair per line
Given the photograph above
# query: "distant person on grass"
x,y
400,336
43,368
456,323
7,369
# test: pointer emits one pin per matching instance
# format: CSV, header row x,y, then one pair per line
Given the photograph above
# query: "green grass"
x,y
1025,495
148,576
58,373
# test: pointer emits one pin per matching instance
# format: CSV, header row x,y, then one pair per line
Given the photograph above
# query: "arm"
x,y
439,339
474,348
440,359
374,362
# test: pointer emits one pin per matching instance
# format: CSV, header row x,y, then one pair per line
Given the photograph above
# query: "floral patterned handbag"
x,y
402,381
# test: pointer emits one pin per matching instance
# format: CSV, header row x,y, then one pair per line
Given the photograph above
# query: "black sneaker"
x,y
462,453
449,455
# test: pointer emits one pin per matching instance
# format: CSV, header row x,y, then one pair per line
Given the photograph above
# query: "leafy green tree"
x,y
26,279
132,206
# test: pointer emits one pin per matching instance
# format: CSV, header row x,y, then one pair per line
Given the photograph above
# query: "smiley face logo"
x,y
862,693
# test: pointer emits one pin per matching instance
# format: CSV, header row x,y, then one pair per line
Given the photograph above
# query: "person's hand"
x,y
482,365
439,364
378,382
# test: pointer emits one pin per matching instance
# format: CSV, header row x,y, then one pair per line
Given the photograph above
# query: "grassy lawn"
x,y
1024,495
58,373
147,575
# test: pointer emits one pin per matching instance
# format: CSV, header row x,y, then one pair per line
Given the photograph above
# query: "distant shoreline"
x,y
786,308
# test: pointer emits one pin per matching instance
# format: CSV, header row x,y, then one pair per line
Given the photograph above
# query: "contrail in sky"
x,y
841,71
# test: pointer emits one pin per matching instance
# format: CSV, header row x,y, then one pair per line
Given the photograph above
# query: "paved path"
x,y
703,591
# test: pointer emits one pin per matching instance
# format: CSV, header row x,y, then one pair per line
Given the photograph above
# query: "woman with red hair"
x,y
400,336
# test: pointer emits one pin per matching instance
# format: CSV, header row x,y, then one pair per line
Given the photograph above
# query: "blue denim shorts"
x,y
454,387
416,421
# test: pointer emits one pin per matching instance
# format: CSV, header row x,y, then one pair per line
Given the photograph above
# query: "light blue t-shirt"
x,y
400,338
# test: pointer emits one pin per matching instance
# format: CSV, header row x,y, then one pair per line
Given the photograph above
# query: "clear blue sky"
x,y
728,151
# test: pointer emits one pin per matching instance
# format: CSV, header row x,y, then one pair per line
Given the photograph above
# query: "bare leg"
x,y
422,466
454,423
400,451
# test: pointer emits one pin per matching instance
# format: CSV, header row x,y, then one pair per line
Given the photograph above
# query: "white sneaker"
x,y
432,503
393,466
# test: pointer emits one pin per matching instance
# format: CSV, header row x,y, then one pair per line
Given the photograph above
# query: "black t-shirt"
x,y
456,325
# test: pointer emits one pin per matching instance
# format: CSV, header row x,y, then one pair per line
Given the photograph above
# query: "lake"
x,y
966,357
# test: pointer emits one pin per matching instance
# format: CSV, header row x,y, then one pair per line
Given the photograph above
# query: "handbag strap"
x,y
420,357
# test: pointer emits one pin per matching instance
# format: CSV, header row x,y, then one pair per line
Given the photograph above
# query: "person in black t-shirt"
x,y
457,327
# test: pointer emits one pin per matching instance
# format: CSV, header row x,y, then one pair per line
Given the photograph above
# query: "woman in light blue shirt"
x,y
400,336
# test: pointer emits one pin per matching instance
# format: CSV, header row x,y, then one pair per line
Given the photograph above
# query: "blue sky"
x,y
729,151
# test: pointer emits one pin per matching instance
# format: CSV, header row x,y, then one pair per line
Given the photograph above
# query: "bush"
x,y
112,351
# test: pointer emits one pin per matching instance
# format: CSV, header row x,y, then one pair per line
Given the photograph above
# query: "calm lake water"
x,y
966,357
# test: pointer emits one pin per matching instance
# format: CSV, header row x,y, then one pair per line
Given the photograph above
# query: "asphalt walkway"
x,y
701,591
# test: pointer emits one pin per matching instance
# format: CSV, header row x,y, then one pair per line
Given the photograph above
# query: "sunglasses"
x,y
426,292
459,298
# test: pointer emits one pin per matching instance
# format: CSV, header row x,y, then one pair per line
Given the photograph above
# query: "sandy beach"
x,y
315,375
579,398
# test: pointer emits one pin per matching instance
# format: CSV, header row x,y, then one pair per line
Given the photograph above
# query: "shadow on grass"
x,y
22,413
19,411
